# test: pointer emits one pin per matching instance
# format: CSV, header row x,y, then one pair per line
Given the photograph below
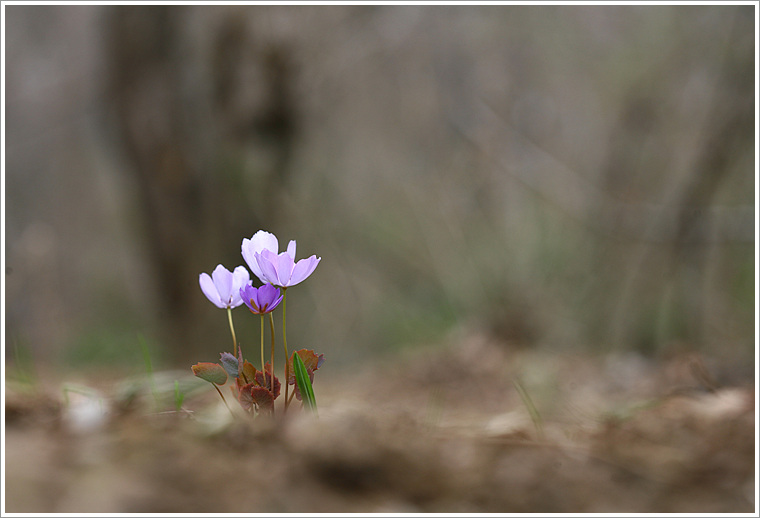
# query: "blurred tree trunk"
x,y
729,130
186,126
677,240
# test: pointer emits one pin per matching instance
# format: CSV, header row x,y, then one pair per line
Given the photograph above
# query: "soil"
x,y
474,428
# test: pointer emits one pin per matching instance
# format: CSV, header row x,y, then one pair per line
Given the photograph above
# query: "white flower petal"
x,y
284,267
303,269
240,278
222,278
267,261
263,240
247,250
292,249
259,242
209,289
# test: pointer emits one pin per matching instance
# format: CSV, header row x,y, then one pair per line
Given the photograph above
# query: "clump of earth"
x,y
476,427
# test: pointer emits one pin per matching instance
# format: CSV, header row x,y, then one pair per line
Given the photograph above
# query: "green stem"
x,y
262,344
271,332
285,345
232,330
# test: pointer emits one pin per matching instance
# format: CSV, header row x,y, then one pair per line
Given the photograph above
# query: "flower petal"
x,y
270,297
285,265
257,299
259,242
248,255
276,302
222,278
246,295
292,249
240,278
267,293
303,269
265,261
209,290
263,240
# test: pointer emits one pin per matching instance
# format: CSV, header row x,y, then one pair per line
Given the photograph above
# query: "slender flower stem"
x,y
271,332
225,401
232,329
285,345
262,344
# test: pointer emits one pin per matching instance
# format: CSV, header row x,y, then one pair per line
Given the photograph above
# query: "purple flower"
x,y
283,270
261,300
259,242
223,287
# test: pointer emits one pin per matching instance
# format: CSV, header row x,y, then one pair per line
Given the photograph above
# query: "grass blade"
x,y
179,397
532,410
148,368
304,383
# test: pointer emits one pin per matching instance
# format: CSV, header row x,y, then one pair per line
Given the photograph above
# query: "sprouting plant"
x,y
179,397
257,389
532,410
148,368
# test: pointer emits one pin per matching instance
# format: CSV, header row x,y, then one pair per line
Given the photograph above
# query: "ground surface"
x,y
440,431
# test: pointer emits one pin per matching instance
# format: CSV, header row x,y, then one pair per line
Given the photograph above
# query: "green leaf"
x,y
179,397
311,361
304,383
211,372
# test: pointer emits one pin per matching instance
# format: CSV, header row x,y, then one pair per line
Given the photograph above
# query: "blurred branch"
x,y
548,178
727,129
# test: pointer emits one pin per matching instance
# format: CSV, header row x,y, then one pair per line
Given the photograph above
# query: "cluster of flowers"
x,y
256,390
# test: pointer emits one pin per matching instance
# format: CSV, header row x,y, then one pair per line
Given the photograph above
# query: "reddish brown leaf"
x,y
252,395
211,372
311,360
267,383
248,372
245,398
262,398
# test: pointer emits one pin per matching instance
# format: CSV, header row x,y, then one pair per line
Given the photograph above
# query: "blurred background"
x,y
572,178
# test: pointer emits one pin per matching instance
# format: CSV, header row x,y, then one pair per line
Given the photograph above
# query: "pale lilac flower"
x,y
261,300
282,270
222,287
259,242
